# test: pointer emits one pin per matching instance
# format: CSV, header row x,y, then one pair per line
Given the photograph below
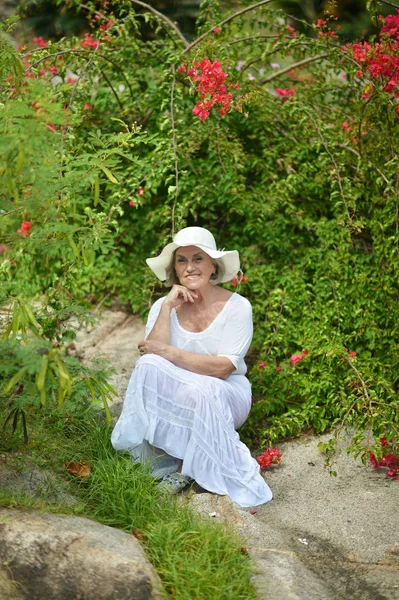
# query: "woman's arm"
x,y
177,296
215,366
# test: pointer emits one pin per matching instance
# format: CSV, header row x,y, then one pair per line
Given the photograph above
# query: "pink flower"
x,y
40,42
253,512
285,92
345,125
278,368
216,30
296,358
131,203
89,42
25,228
182,68
262,365
53,70
87,106
234,282
141,191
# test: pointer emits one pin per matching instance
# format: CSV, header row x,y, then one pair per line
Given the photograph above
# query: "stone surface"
x,y
115,336
30,481
9,589
321,537
54,557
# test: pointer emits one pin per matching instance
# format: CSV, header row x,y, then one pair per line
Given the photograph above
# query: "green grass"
x,y
197,559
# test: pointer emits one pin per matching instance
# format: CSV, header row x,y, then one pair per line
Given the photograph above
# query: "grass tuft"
x,y
197,559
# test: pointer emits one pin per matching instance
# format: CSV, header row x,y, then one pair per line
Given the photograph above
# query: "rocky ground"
x,y
322,537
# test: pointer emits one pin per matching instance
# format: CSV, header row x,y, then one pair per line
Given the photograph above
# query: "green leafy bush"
x,y
104,158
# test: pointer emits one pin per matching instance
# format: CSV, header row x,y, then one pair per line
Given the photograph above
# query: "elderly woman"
x,y
188,393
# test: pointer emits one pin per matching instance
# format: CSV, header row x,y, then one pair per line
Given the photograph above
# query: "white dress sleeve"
x,y
153,316
237,331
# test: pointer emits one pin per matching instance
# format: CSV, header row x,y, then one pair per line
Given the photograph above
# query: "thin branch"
x,y
112,89
83,52
364,386
96,12
341,189
172,118
227,20
389,3
254,37
164,18
50,56
293,66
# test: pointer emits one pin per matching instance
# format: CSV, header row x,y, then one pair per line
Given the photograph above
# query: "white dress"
x,y
171,414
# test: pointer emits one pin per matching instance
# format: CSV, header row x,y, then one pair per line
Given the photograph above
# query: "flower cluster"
x,y
296,358
380,61
25,228
210,80
284,92
270,457
387,460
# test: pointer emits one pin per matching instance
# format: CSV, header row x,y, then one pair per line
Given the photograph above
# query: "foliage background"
x,y
102,155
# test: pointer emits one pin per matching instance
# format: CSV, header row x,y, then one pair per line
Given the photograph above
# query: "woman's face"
x,y
193,267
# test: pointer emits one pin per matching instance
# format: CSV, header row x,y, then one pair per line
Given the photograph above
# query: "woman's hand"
x,y
179,295
153,347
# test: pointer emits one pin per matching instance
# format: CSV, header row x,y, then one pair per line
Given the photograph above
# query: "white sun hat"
x,y
203,239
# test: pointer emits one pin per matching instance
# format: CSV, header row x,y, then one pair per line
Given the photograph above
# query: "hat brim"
x,y
229,258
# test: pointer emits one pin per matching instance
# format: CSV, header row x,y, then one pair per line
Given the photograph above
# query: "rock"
x,y
9,589
35,483
54,557
322,537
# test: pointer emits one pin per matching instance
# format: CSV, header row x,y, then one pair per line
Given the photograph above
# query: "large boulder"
x,y
59,557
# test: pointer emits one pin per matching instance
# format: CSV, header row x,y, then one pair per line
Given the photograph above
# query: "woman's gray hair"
x,y
172,279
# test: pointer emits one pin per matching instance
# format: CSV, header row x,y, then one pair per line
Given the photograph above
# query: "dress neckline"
x,y
174,313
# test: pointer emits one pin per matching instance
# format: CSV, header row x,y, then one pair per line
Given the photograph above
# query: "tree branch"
x,y
389,3
305,61
164,18
172,117
227,20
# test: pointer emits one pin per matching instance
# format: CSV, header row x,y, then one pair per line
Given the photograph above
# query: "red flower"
x,y
291,31
210,80
87,106
278,368
131,203
391,26
393,473
141,191
182,68
216,30
234,282
89,42
320,23
51,126
352,354
40,42
262,365
285,92
270,457
25,228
